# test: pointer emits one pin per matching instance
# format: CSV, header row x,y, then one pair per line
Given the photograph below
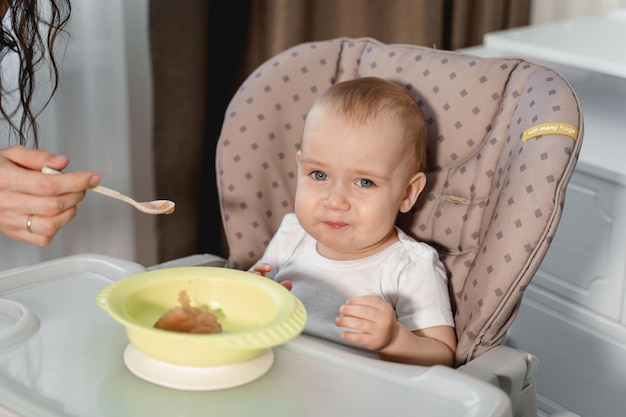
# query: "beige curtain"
x,y
202,52
471,19
278,24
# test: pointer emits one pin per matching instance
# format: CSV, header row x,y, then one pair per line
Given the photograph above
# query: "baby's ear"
x,y
413,190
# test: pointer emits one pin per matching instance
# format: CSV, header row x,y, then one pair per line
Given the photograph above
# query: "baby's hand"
x,y
263,269
372,320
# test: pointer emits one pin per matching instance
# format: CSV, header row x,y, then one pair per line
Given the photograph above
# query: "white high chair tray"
x,y
71,364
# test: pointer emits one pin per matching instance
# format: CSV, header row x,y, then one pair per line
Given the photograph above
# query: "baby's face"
x,y
352,182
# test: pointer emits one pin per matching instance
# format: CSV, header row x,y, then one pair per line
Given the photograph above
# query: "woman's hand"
x,y
35,206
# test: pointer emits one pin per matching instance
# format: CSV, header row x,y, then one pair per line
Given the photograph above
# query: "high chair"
x,y
504,137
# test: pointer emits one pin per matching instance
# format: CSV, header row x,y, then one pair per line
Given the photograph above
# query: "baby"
x,y
363,281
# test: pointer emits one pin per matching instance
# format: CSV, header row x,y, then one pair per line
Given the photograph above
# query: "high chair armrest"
x,y
504,367
513,371
204,259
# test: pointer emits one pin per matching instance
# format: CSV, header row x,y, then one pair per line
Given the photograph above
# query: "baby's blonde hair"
x,y
368,99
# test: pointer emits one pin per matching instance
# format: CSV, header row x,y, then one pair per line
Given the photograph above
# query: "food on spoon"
x,y
187,319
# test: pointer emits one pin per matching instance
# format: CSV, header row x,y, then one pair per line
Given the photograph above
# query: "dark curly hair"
x,y
30,31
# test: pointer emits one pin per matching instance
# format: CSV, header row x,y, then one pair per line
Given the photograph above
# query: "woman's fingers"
x,y
35,206
17,202
26,181
20,171
33,229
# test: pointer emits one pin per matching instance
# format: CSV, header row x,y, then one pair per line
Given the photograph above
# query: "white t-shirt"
x,y
407,274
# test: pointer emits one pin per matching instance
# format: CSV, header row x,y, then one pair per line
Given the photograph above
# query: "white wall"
x,y
544,11
101,119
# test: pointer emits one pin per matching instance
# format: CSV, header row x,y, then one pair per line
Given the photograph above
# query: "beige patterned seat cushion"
x,y
493,201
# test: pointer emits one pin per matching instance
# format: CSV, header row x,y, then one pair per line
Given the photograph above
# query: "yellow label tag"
x,y
551,129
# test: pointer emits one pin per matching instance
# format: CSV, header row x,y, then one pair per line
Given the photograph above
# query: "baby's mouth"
x,y
335,225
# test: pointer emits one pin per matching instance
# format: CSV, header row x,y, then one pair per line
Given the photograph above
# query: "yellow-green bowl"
x,y
258,313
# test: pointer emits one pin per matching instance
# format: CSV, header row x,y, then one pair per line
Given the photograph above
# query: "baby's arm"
x,y
431,346
376,328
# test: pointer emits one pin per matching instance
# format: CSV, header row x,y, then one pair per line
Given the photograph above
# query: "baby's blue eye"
x,y
319,175
365,183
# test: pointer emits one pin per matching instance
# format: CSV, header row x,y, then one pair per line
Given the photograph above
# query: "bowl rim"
x,y
289,321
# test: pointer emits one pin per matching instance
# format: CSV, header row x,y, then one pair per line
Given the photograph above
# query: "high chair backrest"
x,y
504,136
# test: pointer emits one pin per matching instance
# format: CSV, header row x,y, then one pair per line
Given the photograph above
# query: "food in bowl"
x,y
188,319
258,313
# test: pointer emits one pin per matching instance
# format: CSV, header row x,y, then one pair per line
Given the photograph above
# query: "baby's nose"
x,y
337,199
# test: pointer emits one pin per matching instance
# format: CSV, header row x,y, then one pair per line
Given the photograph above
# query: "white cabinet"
x,y
573,317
